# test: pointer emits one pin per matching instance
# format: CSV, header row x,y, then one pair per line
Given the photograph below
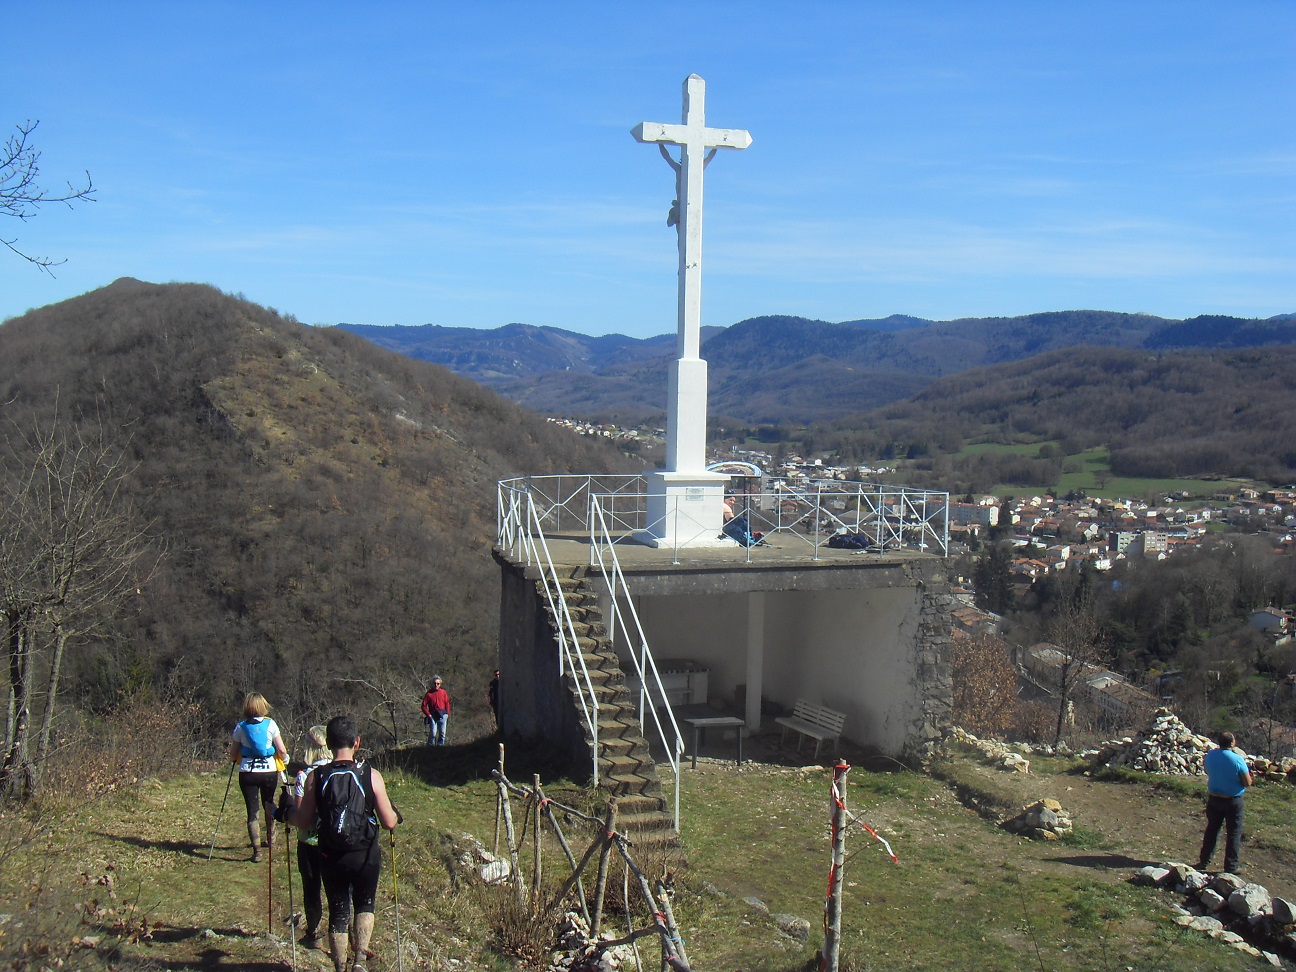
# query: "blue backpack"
x,y
258,734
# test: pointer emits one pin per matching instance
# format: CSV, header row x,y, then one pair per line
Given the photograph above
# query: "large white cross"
x,y
686,411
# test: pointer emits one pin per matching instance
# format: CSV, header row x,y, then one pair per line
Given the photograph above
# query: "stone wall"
x,y
534,701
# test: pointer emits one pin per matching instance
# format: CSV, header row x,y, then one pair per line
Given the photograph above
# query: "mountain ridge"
x,y
784,368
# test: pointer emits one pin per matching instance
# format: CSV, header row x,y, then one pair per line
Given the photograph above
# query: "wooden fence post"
x,y
512,841
499,804
535,825
832,907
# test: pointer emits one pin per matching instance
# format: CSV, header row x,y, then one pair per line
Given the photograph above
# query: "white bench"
x,y
816,721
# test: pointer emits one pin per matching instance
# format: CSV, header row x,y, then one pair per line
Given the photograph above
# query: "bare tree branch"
x,y
21,194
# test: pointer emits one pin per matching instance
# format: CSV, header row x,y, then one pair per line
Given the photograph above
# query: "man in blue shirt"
x,y
1227,777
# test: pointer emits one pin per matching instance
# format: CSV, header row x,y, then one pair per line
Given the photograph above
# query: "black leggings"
x,y
351,879
308,862
258,788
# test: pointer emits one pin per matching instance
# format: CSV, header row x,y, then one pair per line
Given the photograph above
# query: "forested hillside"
x,y
1165,414
320,511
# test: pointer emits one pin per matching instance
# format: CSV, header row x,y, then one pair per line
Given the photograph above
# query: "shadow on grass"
x,y
461,764
215,958
1102,861
456,765
211,957
186,847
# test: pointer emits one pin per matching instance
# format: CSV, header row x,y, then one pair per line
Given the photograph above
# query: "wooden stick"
x,y
571,858
664,896
535,867
575,878
600,887
499,802
625,896
670,942
512,844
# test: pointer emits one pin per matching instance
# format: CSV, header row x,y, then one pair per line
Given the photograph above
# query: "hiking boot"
x,y
256,855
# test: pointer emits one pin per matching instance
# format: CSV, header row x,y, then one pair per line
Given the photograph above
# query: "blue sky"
x,y
471,164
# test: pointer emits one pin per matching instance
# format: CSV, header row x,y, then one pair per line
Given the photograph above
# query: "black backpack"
x,y
345,817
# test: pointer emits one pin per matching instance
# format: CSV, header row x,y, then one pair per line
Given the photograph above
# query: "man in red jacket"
x,y
436,712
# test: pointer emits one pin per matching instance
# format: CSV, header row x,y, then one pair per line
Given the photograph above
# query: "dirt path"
x,y
1143,824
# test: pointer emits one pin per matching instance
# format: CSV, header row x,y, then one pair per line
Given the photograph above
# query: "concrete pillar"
x,y
755,659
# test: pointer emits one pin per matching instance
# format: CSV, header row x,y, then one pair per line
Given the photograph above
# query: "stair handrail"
x,y
570,657
601,541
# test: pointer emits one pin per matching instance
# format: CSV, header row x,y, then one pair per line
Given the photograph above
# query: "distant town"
x,y
1050,534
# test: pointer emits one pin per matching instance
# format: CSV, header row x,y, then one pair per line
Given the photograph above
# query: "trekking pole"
x,y
222,810
291,921
396,902
270,880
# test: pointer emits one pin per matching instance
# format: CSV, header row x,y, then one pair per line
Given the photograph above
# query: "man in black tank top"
x,y
349,876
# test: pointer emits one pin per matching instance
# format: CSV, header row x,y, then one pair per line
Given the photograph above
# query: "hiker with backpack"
x,y
256,746
346,801
308,854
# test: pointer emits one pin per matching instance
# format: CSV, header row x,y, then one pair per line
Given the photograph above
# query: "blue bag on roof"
x,y
739,529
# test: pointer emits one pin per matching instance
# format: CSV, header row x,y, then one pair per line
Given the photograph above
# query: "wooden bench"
x,y
816,721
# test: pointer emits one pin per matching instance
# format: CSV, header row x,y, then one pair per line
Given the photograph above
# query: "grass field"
x,y
125,883
1095,479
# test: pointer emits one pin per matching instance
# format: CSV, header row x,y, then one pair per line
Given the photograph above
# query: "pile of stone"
x,y
470,862
1007,756
578,952
1229,909
1167,746
1042,820
1273,768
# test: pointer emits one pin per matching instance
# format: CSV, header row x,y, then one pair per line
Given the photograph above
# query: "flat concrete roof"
x,y
780,553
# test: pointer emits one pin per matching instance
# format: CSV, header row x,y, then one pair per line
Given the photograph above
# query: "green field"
x,y
1095,479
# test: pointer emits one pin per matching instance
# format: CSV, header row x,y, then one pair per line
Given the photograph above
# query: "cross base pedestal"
x,y
685,510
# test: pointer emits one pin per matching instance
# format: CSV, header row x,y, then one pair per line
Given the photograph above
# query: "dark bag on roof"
x,y
344,808
738,529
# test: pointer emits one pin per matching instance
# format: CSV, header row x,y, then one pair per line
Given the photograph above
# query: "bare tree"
x,y
71,554
985,684
1077,636
21,194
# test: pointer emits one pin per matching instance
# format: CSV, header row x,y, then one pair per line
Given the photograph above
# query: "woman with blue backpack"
x,y
259,751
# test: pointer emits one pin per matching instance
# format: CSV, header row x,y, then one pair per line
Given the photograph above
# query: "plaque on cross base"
x,y
685,509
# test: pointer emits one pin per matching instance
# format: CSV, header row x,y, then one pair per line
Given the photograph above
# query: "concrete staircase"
x,y
626,767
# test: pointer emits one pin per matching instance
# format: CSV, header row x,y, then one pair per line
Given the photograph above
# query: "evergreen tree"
x,y
992,578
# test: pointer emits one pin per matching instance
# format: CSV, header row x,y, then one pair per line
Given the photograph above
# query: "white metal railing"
x,y
624,620
524,506
885,518
521,530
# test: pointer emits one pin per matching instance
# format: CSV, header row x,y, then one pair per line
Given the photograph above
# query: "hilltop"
x,y
323,509
130,886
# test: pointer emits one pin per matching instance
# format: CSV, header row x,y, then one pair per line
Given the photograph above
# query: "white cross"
x,y
685,425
